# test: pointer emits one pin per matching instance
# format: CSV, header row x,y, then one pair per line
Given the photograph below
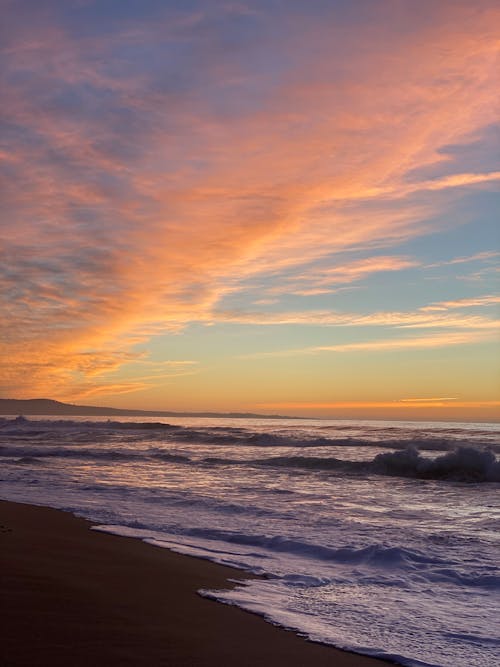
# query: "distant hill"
x,y
46,406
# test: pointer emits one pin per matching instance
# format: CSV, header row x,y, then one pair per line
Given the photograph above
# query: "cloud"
x,y
427,409
389,344
361,405
426,319
458,180
144,170
265,302
326,276
427,400
320,277
106,388
437,184
477,257
474,302
418,343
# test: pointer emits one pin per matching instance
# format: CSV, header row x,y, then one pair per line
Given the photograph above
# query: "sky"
x,y
275,206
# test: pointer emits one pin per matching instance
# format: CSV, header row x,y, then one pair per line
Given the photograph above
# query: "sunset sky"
x,y
273,206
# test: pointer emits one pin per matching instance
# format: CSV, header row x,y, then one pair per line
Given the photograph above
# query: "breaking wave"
x,y
465,464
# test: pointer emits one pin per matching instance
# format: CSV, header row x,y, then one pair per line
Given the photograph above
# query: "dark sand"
x,y
73,596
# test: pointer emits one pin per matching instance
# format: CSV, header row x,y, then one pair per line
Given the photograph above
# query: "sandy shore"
x,y
73,596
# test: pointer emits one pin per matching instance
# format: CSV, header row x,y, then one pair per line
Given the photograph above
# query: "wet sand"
x,y
74,596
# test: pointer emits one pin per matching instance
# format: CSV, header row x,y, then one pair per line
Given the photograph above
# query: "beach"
x,y
379,539
76,596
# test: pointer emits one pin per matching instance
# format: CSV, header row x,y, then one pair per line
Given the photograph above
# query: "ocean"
x,y
378,537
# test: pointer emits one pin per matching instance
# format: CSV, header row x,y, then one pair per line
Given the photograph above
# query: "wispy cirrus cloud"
x,y
428,341
428,399
437,184
488,255
426,318
316,280
416,343
474,302
151,158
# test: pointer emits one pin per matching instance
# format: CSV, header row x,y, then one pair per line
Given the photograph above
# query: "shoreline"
x,y
72,595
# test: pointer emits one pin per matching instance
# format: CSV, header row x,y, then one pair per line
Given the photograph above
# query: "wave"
x,y
465,464
25,454
378,562
242,438
23,426
53,431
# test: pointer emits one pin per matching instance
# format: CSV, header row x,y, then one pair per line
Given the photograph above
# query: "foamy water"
x,y
378,537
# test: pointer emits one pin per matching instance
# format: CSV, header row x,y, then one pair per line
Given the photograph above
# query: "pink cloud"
x,y
132,206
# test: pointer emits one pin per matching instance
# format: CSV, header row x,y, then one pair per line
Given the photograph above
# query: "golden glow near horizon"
x,y
249,207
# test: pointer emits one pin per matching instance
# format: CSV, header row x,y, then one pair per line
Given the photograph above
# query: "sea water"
x,y
377,537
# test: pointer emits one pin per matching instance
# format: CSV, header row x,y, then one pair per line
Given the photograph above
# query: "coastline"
x,y
72,595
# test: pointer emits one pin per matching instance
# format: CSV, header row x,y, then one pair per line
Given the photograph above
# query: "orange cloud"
x,y
453,181
433,409
345,273
427,400
422,342
479,301
406,320
391,344
134,201
362,405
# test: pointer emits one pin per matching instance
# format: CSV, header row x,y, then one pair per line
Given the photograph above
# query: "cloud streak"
x,y
427,319
390,344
